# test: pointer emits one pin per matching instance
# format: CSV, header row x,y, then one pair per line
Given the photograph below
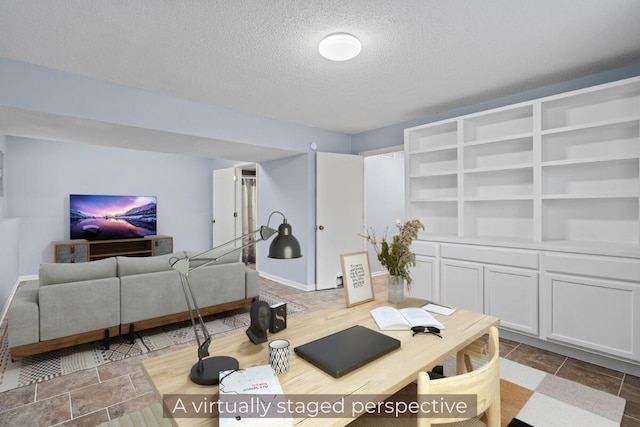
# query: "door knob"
x,y
321,227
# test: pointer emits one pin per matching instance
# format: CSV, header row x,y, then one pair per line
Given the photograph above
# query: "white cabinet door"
x,y
462,285
512,295
424,278
597,314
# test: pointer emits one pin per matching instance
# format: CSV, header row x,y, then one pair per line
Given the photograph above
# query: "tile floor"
x,y
97,395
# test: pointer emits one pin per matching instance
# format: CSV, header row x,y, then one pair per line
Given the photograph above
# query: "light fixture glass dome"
x,y
340,47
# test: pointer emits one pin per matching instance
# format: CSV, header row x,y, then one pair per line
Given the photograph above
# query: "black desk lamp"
x,y
284,246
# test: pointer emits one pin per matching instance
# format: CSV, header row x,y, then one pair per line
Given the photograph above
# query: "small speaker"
x,y
278,320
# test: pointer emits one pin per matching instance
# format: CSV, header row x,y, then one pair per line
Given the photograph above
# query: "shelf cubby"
x,y
594,105
610,220
499,153
511,219
438,217
434,137
620,138
588,180
434,187
434,161
499,183
498,124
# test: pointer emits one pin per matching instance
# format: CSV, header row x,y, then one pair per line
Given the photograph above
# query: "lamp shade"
x,y
285,245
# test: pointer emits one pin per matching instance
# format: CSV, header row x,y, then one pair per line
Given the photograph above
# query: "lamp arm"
x,y
203,346
183,265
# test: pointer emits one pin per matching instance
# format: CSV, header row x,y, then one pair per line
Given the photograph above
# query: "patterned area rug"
x,y
53,364
535,398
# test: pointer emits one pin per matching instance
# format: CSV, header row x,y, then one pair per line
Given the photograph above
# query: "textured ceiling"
x,y
260,56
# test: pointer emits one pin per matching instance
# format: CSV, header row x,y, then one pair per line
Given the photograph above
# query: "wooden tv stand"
x,y
81,250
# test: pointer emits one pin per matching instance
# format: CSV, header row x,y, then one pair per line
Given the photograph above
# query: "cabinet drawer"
x,y
585,265
420,247
162,246
71,253
490,255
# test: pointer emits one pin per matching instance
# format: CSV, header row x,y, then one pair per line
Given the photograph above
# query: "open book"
x,y
392,319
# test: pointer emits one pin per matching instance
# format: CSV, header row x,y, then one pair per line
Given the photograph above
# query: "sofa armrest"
x,y
77,307
252,283
23,316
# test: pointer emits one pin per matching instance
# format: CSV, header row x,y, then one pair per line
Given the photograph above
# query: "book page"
x,y
420,317
388,318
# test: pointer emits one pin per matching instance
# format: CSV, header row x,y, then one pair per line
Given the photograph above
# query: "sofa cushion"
x,y
129,266
78,307
51,273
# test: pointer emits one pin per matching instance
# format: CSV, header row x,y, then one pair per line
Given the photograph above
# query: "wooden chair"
x,y
483,382
478,350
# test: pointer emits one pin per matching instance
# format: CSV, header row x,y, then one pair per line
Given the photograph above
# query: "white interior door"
x,y
227,221
339,213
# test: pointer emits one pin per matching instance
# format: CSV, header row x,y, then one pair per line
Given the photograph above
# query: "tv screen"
x,y
111,217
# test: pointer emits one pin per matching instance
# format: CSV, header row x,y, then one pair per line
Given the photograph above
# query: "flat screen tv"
x,y
104,217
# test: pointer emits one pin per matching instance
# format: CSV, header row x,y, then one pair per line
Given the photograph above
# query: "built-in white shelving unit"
x,y
562,168
532,214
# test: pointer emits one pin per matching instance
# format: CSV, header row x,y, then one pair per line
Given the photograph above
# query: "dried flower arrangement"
x,y
396,256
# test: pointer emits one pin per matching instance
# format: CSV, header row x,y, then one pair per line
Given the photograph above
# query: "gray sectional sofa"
x,y
76,303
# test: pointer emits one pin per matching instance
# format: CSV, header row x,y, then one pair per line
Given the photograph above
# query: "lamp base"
x,y
211,367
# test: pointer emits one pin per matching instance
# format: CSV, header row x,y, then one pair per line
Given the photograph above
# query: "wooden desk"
x,y
383,377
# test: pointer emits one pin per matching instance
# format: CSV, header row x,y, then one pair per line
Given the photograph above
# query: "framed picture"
x,y
356,278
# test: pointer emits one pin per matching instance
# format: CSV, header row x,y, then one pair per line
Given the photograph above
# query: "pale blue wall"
x,y
284,185
42,174
3,149
9,259
384,197
9,249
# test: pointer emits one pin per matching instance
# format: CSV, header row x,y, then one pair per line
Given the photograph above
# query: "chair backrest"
x,y
483,382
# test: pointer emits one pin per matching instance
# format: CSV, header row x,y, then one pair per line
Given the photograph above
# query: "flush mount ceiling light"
x,y
340,47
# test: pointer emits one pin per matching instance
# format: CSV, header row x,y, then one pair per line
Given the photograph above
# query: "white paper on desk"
x,y
252,391
434,308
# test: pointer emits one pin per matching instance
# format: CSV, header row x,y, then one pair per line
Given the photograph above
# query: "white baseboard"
x,y
576,353
287,282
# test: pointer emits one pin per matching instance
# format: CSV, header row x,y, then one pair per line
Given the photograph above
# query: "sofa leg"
x,y
106,339
132,336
